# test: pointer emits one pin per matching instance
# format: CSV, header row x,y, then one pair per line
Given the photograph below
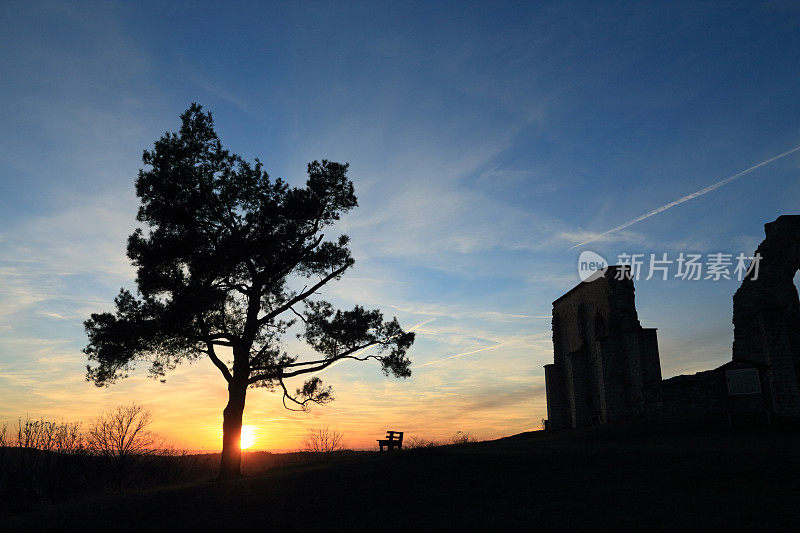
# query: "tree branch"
x,y
288,396
210,340
217,339
219,364
302,296
321,364
301,317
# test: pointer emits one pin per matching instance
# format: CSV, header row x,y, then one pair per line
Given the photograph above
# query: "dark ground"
x,y
665,476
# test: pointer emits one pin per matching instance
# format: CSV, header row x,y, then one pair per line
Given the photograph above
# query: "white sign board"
x,y
743,381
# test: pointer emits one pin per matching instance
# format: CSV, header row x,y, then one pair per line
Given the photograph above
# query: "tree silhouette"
x,y
220,262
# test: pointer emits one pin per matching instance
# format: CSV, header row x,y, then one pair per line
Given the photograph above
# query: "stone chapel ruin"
x,y
606,365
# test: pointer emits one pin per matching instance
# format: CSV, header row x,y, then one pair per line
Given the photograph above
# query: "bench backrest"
x,y
394,436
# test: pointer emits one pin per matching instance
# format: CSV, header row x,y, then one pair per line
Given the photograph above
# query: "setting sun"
x,y
248,436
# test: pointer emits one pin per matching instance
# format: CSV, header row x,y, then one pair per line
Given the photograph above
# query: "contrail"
x,y
686,198
461,354
498,345
422,324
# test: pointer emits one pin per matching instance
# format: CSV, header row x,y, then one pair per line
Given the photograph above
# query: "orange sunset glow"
x,y
420,404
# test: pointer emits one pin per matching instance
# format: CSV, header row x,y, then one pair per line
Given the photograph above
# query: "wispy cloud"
x,y
629,237
48,258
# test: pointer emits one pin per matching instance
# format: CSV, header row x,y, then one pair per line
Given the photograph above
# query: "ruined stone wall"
x,y
603,357
607,368
574,352
706,393
696,394
766,314
557,400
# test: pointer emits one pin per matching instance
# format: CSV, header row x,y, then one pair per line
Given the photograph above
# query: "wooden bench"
x,y
394,439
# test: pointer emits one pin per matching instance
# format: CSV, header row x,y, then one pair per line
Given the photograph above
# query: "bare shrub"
x,y
35,434
323,440
462,437
121,436
68,439
4,444
39,461
43,461
416,441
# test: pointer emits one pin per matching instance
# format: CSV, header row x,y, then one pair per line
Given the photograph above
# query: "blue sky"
x,y
485,139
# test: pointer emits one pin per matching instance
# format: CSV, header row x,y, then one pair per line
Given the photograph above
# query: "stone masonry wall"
x,y
602,356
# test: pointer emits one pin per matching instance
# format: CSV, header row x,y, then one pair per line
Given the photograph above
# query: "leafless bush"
x,y
462,437
44,461
3,445
122,432
68,439
121,436
39,461
36,434
323,440
416,441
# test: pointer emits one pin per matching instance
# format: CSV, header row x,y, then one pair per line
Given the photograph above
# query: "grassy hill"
x,y
660,475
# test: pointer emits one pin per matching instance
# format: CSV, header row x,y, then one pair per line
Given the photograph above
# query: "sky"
x,y
485,140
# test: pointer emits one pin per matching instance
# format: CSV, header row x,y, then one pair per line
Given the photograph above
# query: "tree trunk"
x,y
231,460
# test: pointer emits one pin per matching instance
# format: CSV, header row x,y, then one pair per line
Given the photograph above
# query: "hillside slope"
x,y
633,476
